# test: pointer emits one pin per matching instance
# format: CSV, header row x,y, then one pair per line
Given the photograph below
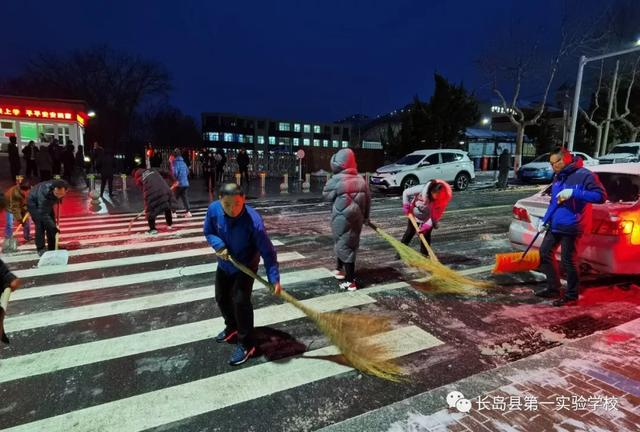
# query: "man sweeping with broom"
x,y
573,191
236,230
427,203
43,198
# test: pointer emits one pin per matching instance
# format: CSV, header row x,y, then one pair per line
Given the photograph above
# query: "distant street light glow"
x,y
91,113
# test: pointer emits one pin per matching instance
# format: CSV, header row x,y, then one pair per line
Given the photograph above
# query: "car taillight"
x,y
521,214
613,227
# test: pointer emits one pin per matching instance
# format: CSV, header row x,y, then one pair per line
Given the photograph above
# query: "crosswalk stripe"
x,y
122,346
67,315
97,231
125,222
90,217
130,279
183,401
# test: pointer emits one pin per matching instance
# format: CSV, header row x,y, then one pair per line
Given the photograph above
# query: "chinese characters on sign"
x,y
531,403
36,113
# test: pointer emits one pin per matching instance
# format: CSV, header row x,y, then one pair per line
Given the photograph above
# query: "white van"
x,y
622,153
453,166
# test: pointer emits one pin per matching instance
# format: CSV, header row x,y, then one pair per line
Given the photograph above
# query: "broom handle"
x,y
133,220
535,238
4,298
432,254
15,231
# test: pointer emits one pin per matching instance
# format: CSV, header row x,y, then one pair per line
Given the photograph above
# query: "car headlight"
x,y
393,172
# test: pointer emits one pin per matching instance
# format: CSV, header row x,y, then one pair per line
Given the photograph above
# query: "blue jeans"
x,y
8,229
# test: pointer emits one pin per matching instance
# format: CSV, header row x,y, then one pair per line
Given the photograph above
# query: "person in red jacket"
x,y
427,203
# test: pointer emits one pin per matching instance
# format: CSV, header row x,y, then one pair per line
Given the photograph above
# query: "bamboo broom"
x,y
443,279
348,332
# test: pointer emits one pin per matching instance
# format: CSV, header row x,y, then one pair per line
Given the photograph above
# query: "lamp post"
x,y
576,97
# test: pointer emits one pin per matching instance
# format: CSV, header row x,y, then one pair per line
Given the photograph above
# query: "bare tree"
x,y
624,117
594,115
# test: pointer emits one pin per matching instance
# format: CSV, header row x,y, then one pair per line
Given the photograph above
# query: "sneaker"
x,y
338,274
170,227
226,335
41,252
565,302
241,354
152,232
188,214
349,286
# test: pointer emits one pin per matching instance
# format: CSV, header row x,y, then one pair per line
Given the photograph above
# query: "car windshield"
x,y
620,187
625,149
410,160
542,158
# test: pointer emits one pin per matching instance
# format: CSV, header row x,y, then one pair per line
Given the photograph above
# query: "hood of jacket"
x,y
344,160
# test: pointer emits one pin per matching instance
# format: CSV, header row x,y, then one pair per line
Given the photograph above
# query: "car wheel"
x,y
409,181
462,181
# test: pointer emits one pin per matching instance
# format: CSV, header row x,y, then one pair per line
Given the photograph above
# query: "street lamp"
x,y
91,113
485,121
576,97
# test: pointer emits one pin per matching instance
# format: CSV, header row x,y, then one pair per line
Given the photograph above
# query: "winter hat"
x,y
60,184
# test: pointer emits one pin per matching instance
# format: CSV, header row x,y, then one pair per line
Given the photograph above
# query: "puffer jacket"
x,y
351,199
41,202
573,216
180,171
155,190
16,201
423,208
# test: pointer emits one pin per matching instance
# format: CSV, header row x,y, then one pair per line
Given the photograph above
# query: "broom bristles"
x,y
443,278
512,262
349,333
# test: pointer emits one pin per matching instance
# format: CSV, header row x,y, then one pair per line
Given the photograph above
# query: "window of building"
x,y
307,128
345,144
316,143
260,139
306,141
316,128
272,140
336,130
284,127
336,143
214,136
285,141
249,139
296,141
296,127
28,132
240,138
325,143
228,137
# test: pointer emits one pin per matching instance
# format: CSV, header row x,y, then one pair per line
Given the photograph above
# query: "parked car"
x,y
539,169
611,244
622,153
453,166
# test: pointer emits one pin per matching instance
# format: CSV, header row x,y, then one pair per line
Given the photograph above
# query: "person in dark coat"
x,y
243,165
80,166
504,162
56,157
221,161
14,159
351,199
43,198
30,154
234,229
96,157
573,190
68,162
157,195
106,172
45,163
209,169
180,173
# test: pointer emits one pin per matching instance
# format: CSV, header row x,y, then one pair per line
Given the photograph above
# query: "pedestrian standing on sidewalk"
x,y
573,190
427,203
80,166
45,163
14,159
106,173
504,162
232,228
209,169
68,162
30,153
157,197
351,199
180,172
221,161
41,202
243,166
16,202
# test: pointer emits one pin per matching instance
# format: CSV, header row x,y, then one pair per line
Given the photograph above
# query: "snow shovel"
x,y
424,241
11,244
55,257
4,302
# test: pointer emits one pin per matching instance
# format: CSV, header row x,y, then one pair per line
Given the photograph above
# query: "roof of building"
x,y
9,100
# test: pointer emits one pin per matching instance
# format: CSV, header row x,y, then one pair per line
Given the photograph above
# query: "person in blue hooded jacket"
x,y
573,191
232,228
181,174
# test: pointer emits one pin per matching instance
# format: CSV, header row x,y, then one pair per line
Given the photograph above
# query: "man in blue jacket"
x,y
573,191
235,229
181,174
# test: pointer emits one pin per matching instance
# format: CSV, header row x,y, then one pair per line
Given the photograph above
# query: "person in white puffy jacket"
x,y
427,203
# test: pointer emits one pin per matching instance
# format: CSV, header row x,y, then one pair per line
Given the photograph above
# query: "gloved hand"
x,y
542,227
223,254
564,195
407,209
435,224
426,227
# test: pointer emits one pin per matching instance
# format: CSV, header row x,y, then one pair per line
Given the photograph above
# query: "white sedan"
x,y
611,244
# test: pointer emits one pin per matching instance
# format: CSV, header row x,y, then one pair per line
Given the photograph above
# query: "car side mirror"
x,y
423,164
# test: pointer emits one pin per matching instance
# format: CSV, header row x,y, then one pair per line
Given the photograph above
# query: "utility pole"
x,y
603,148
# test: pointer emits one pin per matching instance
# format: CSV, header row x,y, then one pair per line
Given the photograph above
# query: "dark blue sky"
x,y
309,60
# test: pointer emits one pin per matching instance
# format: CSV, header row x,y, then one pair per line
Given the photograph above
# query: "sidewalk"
x,y
588,384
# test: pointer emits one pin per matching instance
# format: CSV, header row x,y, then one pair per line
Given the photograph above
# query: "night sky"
x,y
307,60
